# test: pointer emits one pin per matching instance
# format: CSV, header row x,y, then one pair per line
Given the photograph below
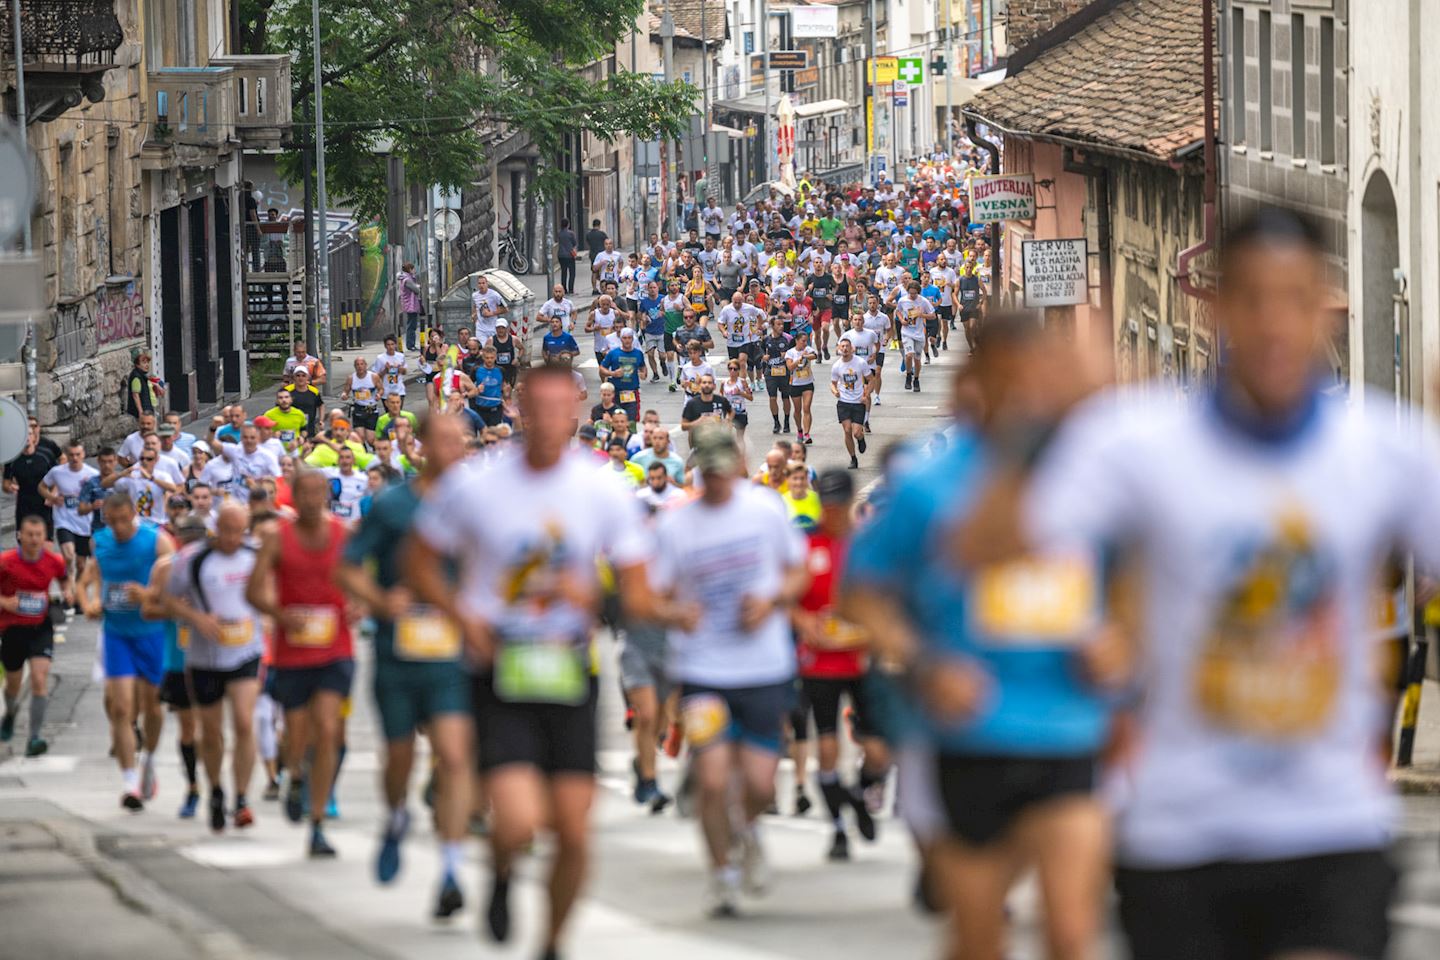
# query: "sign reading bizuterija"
x,y
1055,272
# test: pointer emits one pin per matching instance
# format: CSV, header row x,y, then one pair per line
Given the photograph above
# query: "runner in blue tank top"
x,y
111,590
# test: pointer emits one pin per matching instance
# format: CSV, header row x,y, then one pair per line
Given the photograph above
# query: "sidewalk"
x,y
1423,777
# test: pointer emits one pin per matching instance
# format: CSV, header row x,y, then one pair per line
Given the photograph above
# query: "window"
x,y
1327,90
1297,84
1237,75
1267,132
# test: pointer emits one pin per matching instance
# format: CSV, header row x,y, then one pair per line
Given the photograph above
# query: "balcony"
x,y
69,45
262,98
192,116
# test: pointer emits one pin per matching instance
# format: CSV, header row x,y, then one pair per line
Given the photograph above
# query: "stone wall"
x,y
90,229
1027,19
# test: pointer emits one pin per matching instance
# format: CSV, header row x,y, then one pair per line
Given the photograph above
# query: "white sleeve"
x,y
439,520
1417,457
627,539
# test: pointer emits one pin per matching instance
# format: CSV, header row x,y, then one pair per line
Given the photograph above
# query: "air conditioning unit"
x,y
844,54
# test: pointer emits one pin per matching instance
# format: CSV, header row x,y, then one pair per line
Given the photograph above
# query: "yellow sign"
x,y
869,125
884,69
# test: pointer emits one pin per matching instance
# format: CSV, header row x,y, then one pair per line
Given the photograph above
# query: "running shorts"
x,y
909,345
932,326
1331,904
945,312
798,388
984,795
141,656
852,412
23,641
553,738
777,386
293,687
364,418
209,686
82,543
879,359
642,659
751,716
823,694
409,694
490,416
175,691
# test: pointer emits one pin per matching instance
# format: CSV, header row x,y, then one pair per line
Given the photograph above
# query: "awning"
x,y
820,108
754,103
961,89
730,132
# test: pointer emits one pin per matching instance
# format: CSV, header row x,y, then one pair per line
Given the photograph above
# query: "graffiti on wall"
x,y
81,393
119,315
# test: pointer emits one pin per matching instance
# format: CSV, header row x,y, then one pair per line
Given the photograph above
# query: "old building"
x,y
1285,123
1393,159
1105,108
138,142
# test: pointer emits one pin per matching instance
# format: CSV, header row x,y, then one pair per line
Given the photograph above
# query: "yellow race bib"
x,y
1036,601
319,626
236,633
425,634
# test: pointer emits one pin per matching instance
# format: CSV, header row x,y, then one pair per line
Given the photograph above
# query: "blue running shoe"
x,y
387,863
188,808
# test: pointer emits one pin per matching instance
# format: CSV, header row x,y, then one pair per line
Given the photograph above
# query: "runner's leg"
x,y
571,795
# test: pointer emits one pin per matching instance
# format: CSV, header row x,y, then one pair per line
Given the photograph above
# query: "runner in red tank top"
x,y
833,660
294,584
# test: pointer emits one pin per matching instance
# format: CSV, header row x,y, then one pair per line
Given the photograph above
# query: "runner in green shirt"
x,y
830,227
289,420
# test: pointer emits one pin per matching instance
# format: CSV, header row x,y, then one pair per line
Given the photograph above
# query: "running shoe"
x,y
497,914
860,443
864,822
191,804
243,817
787,426
387,863
7,727
36,747
654,378
775,429
723,899
908,381
217,810
672,388
802,802
332,808
272,791
867,427
839,847
854,463
320,848
295,799
646,791
451,901
916,387
876,400
132,802
809,439
658,803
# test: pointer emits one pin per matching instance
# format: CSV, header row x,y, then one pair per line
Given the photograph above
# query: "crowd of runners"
x,y
1113,639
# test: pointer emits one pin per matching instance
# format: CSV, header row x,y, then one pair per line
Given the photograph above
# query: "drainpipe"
x,y
1101,176
1207,240
994,150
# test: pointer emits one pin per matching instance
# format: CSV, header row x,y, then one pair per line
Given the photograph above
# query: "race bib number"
x,y
362,395
541,673
425,634
318,627
31,604
779,370
1038,601
287,437
392,377
628,396
840,634
237,633
706,717
71,503
118,599
342,509
1253,689
182,637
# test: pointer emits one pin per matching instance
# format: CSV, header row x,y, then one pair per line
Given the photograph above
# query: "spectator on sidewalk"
x,y
302,357
143,392
595,242
566,246
410,303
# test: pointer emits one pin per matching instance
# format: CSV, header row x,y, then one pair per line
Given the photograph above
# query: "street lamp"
x,y
322,259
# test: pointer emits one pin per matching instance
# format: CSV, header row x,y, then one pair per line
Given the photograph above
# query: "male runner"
x,y
777,372
526,605
851,391
61,489
735,557
912,311
26,632
294,584
420,678
206,591
112,588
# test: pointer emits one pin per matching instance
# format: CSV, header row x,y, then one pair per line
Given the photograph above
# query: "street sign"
x,y
1055,272
1009,196
877,167
447,225
911,70
814,22
789,59
883,69
17,184
901,95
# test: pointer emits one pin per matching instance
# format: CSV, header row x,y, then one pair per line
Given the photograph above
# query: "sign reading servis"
x,y
1055,272
1008,196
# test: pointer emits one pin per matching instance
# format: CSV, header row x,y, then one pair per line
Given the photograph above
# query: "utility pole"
x,y
870,92
765,165
322,259
949,84
667,50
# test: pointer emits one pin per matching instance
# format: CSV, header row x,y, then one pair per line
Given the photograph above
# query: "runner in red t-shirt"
x,y
833,663
314,657
25,577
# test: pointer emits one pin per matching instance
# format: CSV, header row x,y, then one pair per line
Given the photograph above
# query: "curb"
x,y
1416,781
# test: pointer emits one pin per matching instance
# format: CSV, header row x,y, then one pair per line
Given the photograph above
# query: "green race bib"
x,y
540,673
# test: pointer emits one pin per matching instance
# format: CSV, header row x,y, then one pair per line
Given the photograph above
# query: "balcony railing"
x,y
192,106
262,98
275,246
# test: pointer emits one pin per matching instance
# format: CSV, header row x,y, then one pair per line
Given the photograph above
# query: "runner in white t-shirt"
x,y
848,385
61,489
910,313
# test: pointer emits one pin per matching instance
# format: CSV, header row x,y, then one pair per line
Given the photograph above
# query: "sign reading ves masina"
x,y
1055,272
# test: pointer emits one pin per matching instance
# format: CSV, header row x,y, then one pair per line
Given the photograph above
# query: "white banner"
x,y
814,21
1056,273
1008,196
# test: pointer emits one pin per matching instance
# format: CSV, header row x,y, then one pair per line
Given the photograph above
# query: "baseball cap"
x,y
263,421
190,528
712,445
586,432
202,445
834,486
165,430
502,322
178,502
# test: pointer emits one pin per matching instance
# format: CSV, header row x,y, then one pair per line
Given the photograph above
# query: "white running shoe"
x,y
754,868
722,898
876,399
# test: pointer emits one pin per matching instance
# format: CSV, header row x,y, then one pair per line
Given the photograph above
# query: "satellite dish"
x,y
447,225
17,184
14,429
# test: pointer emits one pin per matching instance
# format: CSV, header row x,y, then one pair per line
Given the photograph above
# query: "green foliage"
x,y
437,79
